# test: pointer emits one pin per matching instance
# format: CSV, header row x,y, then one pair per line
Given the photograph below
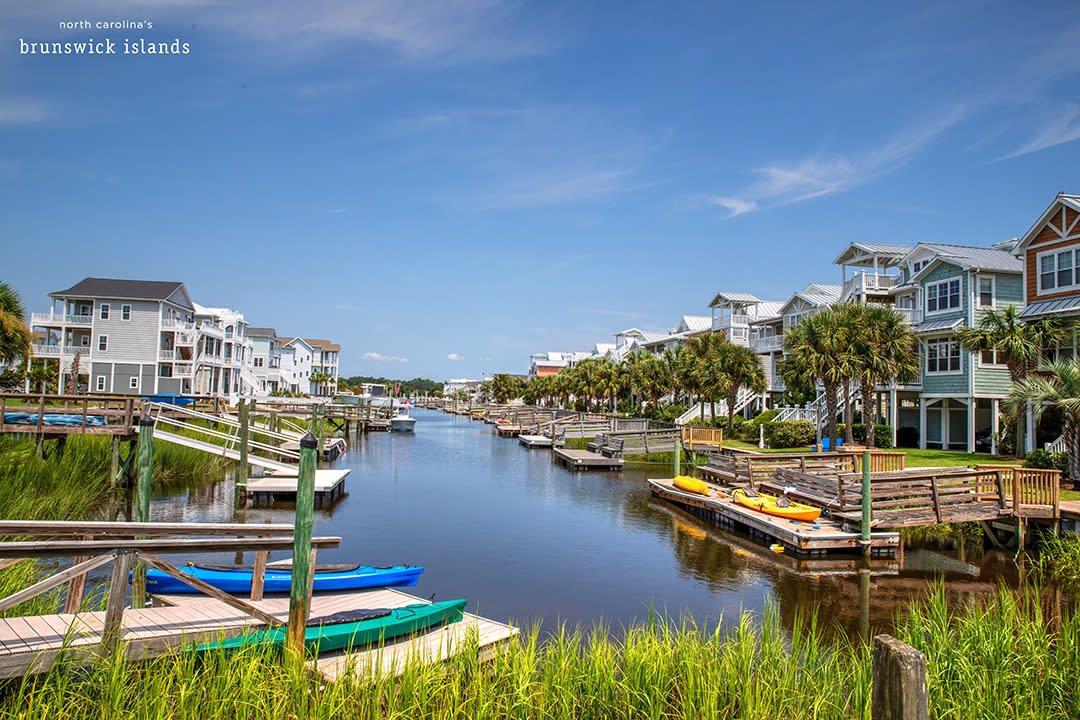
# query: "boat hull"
x,y
342,636
239,581
767,504
402,424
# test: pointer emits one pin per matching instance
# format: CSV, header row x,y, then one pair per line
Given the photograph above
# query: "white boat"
x,y
401,422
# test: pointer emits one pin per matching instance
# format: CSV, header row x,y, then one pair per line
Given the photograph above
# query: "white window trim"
x,y
100,383
1057,288
133,382
926,358
993,291
128,309
98,346
104,311
991,366
943,281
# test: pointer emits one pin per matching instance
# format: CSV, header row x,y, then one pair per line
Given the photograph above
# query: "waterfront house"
x,y
266,358
295,370
324,359
1049,253
225,354
132,336
732,314
956,403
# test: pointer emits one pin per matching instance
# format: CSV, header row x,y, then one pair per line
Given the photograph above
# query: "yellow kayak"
x,y
689,484
773,506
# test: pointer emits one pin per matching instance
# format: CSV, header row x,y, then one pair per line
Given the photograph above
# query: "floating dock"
x,y
534,441
585,460
329,485
431,646
508,430
812,538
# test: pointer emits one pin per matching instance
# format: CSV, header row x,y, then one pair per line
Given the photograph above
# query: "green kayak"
x,y
354,627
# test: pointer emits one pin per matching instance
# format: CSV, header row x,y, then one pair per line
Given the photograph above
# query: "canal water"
x,y
528,541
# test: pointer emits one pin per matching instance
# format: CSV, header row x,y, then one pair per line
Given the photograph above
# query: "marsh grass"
x,y
1003,658
1058,560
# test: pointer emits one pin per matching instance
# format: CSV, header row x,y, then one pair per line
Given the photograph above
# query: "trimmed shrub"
x,y
1047,460
789,433
749,428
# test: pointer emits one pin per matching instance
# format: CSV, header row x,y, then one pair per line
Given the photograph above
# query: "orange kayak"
x,y
771,505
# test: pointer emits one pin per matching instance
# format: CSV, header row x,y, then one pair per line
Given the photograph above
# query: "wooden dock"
x,y
534,441
818,537
432,645
329,485
508,430
585,460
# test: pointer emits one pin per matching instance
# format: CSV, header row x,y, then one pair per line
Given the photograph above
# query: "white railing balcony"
x,y
186,337
174,324
54,319
776,383
166,355
913,316
209,359
182,369
864,282
48,350
772,343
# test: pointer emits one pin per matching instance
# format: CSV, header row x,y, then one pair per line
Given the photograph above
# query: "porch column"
x,y
922,423
946,408
1029,437
972,404
994,425
893,413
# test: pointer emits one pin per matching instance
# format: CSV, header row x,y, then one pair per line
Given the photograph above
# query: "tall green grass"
x,y
1058,560
1001,659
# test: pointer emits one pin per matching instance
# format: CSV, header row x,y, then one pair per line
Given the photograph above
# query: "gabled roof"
x,y
261,332
1062,200
292,342
321,344
723,298
859,253
818,295
695,323
172,292
971,258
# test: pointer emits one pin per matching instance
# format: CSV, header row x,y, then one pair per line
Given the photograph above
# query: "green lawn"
x,y
915,458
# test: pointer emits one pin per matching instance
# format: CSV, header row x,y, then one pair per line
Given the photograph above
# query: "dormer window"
x,y
917,266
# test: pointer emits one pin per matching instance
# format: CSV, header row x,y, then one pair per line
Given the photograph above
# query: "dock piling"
x,y
241,478
299,595
866,513
142,504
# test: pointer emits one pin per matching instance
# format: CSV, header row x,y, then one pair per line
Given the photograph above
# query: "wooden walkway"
x,y
822,535
534,441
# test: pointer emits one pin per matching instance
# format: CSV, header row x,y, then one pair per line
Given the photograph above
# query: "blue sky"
x,y
447,187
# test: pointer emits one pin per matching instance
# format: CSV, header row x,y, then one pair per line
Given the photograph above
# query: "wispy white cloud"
x,y
826,174
1062,127
455,356
379,357
24,112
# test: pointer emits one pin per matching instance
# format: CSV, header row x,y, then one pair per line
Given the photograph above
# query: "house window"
x,y
986,292
1059,353
133,383
991,357
917,266
258,362
1058,270
101,383
942,296
942,356
125,312
103,343
105,311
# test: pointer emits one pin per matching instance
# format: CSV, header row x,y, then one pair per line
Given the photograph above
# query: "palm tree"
x,y
676,371
739,367
320,379
1018,345
885,352
1060,389
704,367
649,376
42,376
819,348
15,337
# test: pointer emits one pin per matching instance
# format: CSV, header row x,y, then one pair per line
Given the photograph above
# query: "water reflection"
x,y
526,540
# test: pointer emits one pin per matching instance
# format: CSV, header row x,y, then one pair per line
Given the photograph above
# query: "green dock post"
x,y
244,416
142,504
864,604
677,458
865,541
299,597
315,425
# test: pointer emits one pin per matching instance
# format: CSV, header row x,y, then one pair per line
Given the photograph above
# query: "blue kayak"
x,y
237,578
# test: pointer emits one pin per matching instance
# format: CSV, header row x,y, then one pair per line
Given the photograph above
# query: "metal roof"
x,y
128,290
881,250
1057,305
971,258
932,325
696,323
260,332
736,298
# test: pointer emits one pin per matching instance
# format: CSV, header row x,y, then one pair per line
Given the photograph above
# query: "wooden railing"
x,y
702,436
752,469
118,412
95,544
880,460
1033,492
